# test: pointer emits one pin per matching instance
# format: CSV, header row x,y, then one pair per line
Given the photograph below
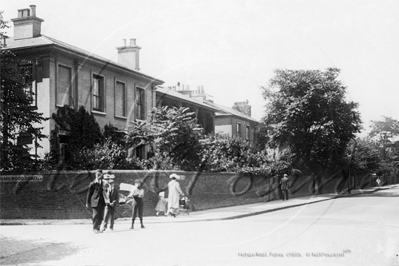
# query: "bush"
x,y
223,153
82,132
106,155
173,136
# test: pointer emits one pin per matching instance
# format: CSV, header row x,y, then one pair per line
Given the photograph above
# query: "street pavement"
x,y
218,214
329,229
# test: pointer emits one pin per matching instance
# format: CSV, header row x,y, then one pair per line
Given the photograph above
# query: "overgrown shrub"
x,y
179,136
174,141
222,153
114,134
106,155
173,137
81,132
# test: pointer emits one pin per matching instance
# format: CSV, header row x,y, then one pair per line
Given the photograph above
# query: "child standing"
x,y
162,204
138,194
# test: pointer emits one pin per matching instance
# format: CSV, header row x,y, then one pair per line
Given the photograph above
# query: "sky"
x,y
232,47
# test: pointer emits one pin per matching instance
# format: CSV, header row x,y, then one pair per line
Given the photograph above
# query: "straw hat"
x,y
174,176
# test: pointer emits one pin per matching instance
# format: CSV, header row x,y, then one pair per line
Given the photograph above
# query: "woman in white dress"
x,y
174,194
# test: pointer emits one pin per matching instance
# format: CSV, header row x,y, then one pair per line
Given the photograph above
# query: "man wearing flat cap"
x,y
111,198
175,192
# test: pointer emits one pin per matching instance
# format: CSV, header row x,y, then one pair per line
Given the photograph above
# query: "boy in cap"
x,y
111,198
138,194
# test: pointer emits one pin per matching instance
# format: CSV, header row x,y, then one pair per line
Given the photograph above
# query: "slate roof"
x,y
43,40
182,97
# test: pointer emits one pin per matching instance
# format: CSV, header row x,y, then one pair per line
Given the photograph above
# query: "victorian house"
x,y
114,92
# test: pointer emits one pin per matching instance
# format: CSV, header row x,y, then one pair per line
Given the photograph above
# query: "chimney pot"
x,y
23,13
33,10
129,55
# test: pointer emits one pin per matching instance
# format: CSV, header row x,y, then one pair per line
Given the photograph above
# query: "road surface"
x,y
358,230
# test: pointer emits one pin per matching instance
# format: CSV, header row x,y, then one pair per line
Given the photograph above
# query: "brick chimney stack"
x,y
27,25
243,107
129,56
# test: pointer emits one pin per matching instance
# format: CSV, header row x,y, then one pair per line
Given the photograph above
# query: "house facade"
x,y
114,92
236,124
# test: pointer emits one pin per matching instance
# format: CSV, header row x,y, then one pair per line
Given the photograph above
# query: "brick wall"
x,y
62,195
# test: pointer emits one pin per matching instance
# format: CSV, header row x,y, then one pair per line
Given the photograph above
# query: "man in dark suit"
x,y
111,198
95,200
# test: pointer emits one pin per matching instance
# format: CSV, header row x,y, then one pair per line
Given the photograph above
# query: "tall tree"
x,y
311,116
363,157
20,122
179,137
3,33
385,134
173,135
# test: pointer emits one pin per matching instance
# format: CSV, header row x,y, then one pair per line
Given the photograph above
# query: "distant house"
x,y
204,113
234,123
115,93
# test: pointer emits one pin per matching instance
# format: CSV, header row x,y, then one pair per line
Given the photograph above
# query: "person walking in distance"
x,y
174,194
284,186
138,194
111,198
95,200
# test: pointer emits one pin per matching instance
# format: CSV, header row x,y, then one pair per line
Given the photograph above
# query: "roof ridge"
x,y
232,111
175,93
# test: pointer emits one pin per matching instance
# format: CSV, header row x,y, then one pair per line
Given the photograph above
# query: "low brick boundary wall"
x,y
62,195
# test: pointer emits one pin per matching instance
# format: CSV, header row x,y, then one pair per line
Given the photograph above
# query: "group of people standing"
x,y
103,198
